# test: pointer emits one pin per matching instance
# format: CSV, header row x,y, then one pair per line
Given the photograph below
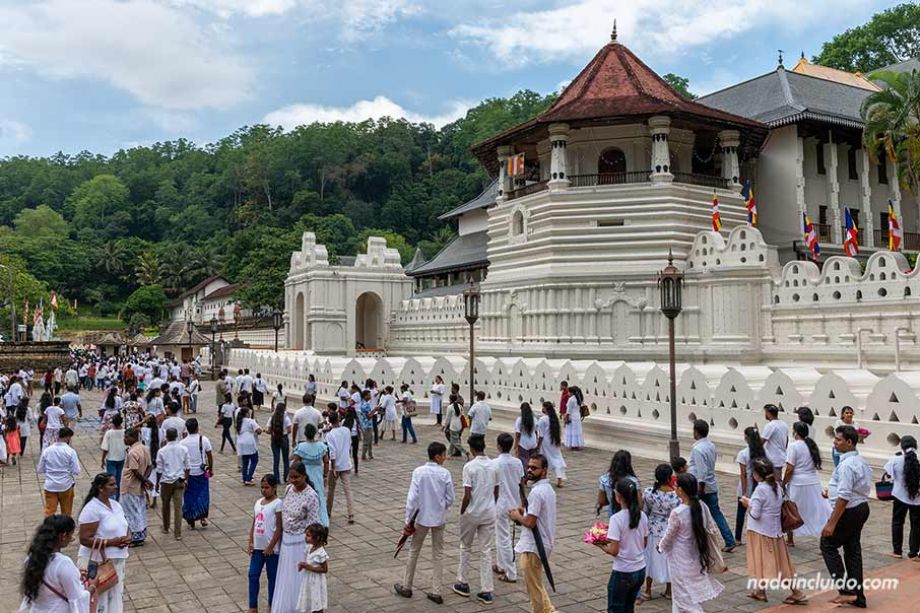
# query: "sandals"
x,y
803,600
504,579
756,596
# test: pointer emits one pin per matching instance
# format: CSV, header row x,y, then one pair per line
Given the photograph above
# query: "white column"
x,y
730,140
894,188
833,191
865,198
659,128
504,152
800,178
558,165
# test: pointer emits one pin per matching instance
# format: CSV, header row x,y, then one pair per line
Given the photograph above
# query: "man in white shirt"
x,y
540,513
339,442
13,394
173,421
848,492
775,439
306,414
60,465
201,459
511,495
173,469
246,382
477,519
480,415
431,493
343,395
71,378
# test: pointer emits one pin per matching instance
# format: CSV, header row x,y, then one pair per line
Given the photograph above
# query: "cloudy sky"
x,y
101,75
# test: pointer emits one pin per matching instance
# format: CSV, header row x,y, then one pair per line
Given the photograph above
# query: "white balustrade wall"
x,y
630,401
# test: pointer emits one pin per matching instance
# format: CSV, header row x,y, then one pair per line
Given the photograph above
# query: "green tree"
x,y
893,123
889,37
102,203
147,271
149,300
680,84
42,222
394,241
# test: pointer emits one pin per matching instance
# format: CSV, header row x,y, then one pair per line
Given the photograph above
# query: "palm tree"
x,y
110,257
147,270
893,122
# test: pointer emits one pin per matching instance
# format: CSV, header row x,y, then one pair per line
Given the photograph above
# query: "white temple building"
x,y
620,171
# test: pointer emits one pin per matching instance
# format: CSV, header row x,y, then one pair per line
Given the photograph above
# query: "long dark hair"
x,y
350,418
663,474
242,414
763,468
527,421
801,428
754,443
45,402
911,465
627,491
277,422
687,482
574,390
96,486
620,466
43,547
555,430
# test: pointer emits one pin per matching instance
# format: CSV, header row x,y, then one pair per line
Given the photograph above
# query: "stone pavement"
x,y
207,570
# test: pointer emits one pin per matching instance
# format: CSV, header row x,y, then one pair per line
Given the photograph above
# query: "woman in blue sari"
x,y
315,457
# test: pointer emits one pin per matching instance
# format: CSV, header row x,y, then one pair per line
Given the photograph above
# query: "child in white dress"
x,y
313,589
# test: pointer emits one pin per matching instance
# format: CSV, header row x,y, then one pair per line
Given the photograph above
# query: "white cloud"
x,y
290,117
157,53
576,28
14,132
252,8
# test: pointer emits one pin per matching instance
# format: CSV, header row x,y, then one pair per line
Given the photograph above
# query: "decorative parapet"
x,y
887,278
745,246
378,255
310,255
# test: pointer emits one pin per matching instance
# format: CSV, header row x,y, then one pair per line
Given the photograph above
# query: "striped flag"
x,y
811,237
747,192
894,229
54,302
515,165
716,217
851,240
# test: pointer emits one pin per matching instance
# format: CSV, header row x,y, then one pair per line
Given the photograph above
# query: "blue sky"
x,y
101,75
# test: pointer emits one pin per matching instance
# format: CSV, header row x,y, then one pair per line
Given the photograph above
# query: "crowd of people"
x,y
671,533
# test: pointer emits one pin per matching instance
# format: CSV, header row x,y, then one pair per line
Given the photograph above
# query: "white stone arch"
x,y
509,377
788,388
734,399
483,379
369,321
896,399
695,390
354,371
546,378
414,374
596,386
655,395
840,388
299,340
385,372
452,368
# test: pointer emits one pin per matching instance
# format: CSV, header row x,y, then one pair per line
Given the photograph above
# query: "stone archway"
x,y
299,322
369,321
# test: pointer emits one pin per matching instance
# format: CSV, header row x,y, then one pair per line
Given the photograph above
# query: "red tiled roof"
x,y
616,85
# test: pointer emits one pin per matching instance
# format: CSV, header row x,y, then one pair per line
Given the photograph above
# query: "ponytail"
x,y
801,428
555,430
626,488
44,545
911,465
687,482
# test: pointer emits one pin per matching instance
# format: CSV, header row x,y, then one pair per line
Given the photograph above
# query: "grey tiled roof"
x,y
781,97
447,290
177,334
464,252
483,200
905,66
417,260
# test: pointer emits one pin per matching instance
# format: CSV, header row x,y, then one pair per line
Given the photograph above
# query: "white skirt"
x,y
813,507
312,593
656,563
554,456
574,435
288,580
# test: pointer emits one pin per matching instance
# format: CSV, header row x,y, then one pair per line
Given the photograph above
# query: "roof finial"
x,y
803,55
780,56
613,35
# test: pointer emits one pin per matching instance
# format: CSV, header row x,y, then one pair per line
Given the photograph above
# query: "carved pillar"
x,y
558,165
730,140
659,128
833,191
504,181
865,198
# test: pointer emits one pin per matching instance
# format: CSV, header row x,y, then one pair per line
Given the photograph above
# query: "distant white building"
x,y
206,300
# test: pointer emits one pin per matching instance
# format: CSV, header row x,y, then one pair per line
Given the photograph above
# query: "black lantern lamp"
x,y
669,283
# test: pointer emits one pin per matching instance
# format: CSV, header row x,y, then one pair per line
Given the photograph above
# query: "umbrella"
x,y
541,551
407,531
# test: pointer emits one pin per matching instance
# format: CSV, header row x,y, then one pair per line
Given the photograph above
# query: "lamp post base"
x,y
674,448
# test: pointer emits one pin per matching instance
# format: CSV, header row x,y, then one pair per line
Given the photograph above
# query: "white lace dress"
x,y
313,595
689,587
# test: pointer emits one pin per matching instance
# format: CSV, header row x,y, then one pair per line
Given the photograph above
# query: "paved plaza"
x,y
207,570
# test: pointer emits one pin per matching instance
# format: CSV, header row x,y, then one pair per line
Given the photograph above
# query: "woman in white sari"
x,y
549,440
51,582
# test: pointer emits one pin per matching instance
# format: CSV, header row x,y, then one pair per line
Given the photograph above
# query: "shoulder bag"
x,y
584,411
790,518
102,574
713,538
410,408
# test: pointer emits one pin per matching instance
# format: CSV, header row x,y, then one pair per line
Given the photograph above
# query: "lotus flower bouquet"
x,y
597,535
863,432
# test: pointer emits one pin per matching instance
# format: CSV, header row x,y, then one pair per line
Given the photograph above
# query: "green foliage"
x,y
893,123
149,301
889,37
171,214
90,323
680,84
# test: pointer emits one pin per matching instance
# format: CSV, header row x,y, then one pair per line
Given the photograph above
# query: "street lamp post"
x,y
669,282
471,298
189,327
277,322
214,324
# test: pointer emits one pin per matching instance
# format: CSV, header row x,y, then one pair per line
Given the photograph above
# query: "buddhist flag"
x,y
811,237
716,217
515,165
54,303
749,203
851,235
894,229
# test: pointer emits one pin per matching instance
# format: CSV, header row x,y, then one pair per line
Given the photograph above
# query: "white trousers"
x,y
504,547
471,529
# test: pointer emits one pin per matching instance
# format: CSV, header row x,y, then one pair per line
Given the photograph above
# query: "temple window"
x,y
611,161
